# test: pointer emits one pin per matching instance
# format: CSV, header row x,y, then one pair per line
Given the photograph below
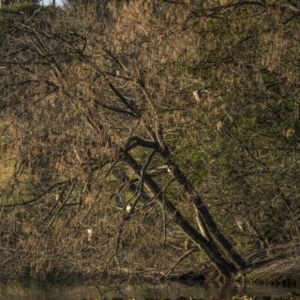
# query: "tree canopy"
x,y
148,139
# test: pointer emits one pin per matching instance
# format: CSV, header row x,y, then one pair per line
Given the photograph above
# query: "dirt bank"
x,y
277,265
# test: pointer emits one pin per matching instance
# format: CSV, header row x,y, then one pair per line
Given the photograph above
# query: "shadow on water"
x,y
30,289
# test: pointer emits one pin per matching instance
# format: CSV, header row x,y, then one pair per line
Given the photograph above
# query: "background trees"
x,y
96,109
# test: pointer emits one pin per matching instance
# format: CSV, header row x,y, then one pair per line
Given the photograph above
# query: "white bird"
x,y
129,207
241,225
90,233
219,125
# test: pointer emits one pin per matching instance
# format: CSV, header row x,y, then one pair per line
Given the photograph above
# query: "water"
x,y
31,290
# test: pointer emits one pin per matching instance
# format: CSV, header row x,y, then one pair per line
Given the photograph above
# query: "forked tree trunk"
x,y
213,253
203,217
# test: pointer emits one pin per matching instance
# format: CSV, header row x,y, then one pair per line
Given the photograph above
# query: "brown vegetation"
x,y
98,104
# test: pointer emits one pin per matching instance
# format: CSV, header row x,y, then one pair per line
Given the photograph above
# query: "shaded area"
x,y
32,290
277,265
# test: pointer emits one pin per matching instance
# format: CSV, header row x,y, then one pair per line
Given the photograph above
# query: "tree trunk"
x,y
202,214
216,258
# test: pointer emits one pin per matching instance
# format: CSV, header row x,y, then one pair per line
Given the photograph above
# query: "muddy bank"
x,y
278,265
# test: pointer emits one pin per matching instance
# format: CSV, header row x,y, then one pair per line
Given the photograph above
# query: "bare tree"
x,y
93,114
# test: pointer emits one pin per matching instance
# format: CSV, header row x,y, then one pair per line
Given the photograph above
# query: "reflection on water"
x,y
31,290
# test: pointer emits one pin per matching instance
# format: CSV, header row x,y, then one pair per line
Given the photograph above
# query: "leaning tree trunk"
x,y
203,215
209,239
226,268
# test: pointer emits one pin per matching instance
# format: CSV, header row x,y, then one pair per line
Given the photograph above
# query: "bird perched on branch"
x,y
120,200
187,244
241,225
90,235
173,170
129,207
219,125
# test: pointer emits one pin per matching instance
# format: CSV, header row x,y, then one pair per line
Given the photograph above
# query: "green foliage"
x,y
20,8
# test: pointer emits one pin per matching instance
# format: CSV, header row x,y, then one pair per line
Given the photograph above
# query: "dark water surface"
x,y
31,290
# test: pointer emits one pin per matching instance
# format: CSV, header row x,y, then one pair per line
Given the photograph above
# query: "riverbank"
x,y
278,265
31,289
